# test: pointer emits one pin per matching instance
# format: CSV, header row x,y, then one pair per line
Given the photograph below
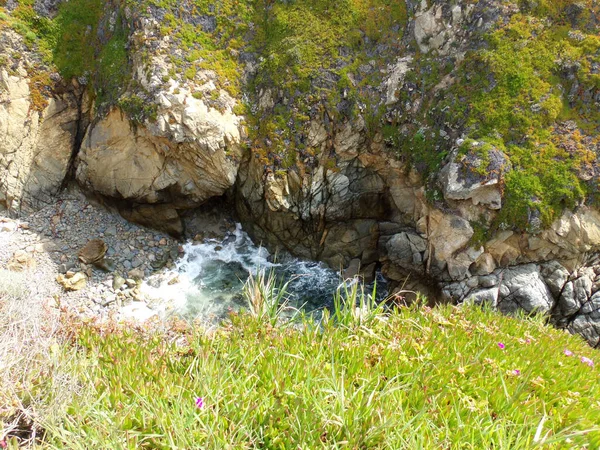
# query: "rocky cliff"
x,y
453,145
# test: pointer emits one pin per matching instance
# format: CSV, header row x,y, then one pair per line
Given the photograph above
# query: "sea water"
x,y
207,281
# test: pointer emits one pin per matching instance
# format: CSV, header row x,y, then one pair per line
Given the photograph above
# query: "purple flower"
x,y
516,372
501,345
587,361
568,352
528,341
199,402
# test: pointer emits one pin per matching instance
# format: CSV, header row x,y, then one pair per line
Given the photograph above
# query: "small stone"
x,y
173,281
111,230
130,282
136,262
117,282
75,282
93,251
136,274
162,242
127,264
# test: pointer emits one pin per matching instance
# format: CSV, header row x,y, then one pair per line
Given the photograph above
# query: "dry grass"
x,y
28,353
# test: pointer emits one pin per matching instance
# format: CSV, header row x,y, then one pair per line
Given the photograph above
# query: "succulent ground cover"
x,y
411,377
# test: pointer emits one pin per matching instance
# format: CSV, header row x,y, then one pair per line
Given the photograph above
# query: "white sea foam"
x,y
207,281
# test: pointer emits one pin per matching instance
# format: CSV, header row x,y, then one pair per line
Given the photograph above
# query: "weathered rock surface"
x,y
470,177
36,140
133,164
350,197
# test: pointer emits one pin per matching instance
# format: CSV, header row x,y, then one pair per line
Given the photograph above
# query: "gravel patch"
x,y
46,243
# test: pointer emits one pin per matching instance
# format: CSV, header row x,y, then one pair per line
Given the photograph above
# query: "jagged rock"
x,y
484,296
407,251
353,269
35,147
93,252
567,302
182,164
448,234
483,265
464,178
556,276
523,288
588,327
72,281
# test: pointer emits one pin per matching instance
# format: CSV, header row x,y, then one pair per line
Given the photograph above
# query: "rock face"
x,y
185,152
383,159
36,140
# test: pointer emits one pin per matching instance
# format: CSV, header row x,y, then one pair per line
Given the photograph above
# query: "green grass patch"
x,y
447,377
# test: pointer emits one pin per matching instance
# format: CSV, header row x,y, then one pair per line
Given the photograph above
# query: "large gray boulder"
x,y
523,288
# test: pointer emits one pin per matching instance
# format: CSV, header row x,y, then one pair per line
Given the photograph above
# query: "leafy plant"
x,y
267,298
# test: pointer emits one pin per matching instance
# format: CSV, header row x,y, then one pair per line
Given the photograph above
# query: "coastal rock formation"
x,y
418,138
37,130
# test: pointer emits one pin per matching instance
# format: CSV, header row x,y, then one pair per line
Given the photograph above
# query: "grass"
x,y
34,382
413,377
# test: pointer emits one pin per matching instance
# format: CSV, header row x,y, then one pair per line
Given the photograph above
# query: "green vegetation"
x,y
312,52
78,44
324,59
451,377
521,104
510,95
212,46
137,109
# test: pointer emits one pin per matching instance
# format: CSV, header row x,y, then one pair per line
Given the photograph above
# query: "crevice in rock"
x,y
82,123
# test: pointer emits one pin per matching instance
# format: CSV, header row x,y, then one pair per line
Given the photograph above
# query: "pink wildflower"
x,y
3,444
568,352
517,372
587,361
199,402
501,345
